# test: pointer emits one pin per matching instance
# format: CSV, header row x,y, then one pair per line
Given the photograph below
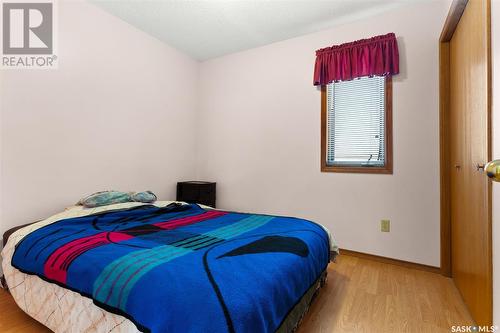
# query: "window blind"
x,y
356,122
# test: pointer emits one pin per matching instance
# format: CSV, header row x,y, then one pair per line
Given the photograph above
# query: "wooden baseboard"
x,y
391,261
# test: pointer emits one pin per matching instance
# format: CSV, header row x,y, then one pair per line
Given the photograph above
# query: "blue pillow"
x,y
146,197
105,198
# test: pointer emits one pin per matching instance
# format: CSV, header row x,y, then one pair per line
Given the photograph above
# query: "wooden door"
x,y
470,192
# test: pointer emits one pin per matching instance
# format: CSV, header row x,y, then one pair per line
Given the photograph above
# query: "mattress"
x,y
64,309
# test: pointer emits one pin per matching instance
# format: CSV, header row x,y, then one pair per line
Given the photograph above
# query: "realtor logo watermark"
x,y
473,329
28,35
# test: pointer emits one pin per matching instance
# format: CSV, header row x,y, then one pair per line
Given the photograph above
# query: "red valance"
x,y
366,57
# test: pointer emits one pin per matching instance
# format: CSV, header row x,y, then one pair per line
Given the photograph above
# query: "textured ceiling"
x,y
212,28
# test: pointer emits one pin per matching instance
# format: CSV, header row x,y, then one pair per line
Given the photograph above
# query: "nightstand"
x,y
197,192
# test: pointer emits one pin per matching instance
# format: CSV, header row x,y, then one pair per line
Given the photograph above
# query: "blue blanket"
x,y
181,268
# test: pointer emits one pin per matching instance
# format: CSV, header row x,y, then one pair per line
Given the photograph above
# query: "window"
x,y
356,126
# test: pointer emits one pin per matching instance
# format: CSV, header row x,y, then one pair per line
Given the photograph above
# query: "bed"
x,y
166,267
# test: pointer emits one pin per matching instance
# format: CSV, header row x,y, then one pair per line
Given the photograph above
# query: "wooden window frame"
x,y
387,168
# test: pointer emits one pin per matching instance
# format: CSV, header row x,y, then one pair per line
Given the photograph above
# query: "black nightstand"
x,y
196,192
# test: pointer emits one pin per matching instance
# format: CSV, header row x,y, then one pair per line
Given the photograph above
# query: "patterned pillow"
x,y
104,198
146,197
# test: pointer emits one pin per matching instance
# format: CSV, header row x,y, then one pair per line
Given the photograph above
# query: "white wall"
x,y
118,114
495,53
259,138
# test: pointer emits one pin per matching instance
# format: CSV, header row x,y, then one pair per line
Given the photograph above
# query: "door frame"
x,y
456,10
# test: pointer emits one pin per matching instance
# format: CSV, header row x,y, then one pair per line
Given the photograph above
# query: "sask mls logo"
x,y
28,35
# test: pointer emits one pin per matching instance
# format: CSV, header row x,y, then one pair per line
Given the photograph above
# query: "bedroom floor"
x,y
360,296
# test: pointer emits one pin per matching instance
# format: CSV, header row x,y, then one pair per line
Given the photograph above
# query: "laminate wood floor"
x,y
360,296
367,296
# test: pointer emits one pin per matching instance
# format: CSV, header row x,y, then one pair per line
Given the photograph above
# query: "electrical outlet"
x,y
385,225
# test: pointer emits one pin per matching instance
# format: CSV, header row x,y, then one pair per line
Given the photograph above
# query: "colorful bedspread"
x,y
182,268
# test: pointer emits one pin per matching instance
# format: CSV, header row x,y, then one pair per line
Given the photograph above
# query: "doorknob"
x,y
492,170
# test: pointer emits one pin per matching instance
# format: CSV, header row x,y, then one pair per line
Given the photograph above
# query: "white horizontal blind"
x,y
356,122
